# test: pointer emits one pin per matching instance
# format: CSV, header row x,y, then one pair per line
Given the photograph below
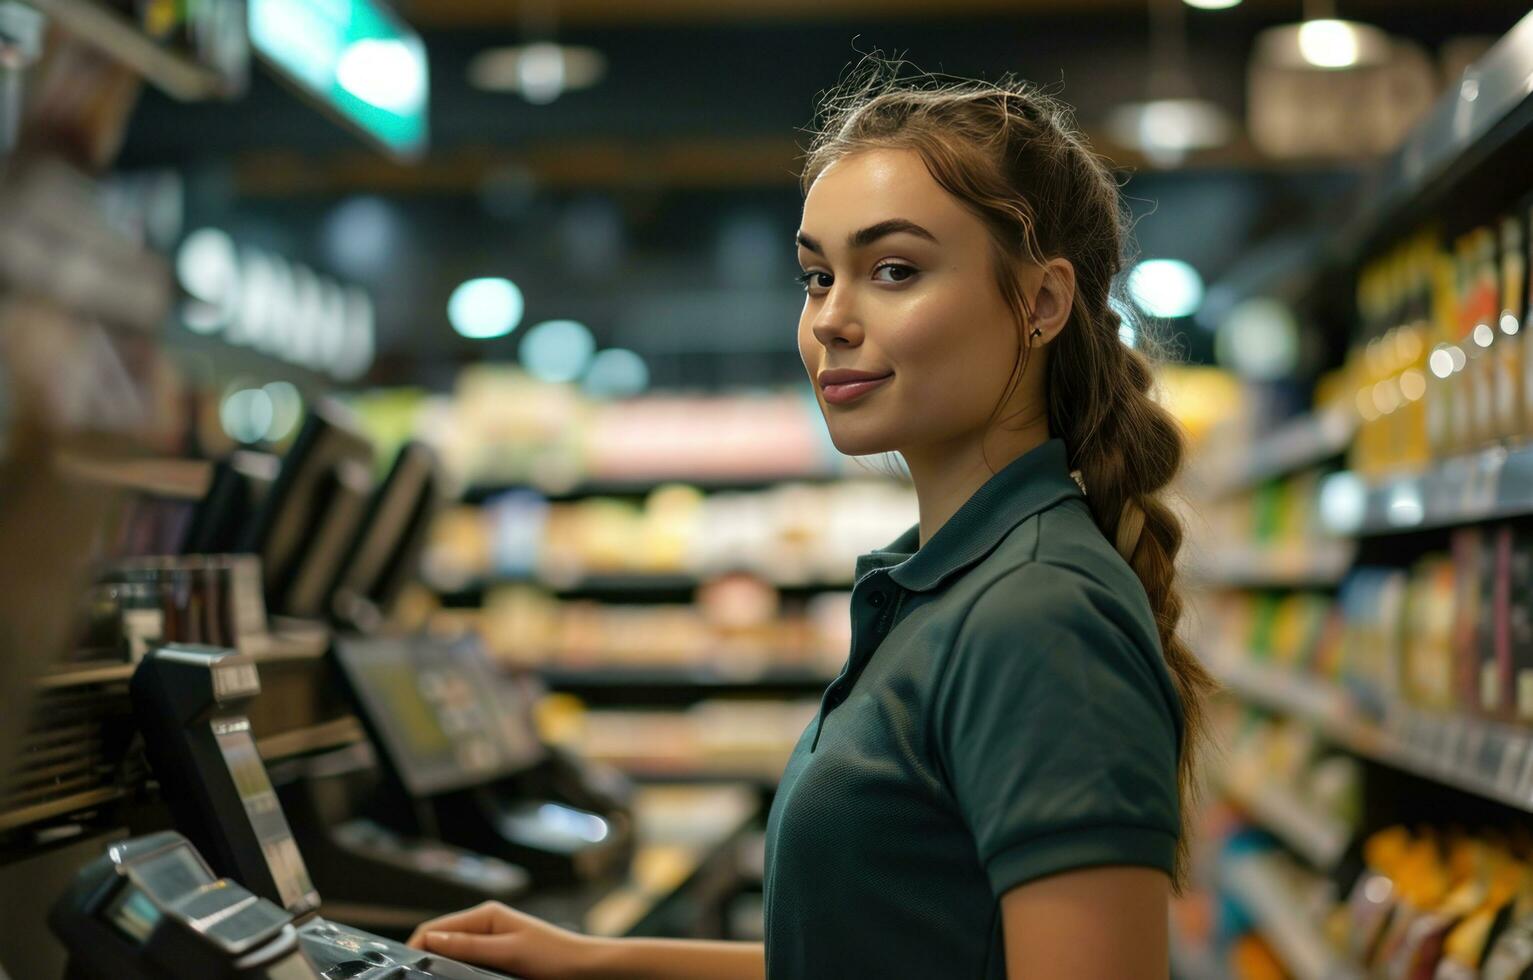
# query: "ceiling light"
x,y
1324,44
287,409
557,350
1166,130
616,373
389,73
481,309
1168,288
1259,339
247,414
1212,4
541,72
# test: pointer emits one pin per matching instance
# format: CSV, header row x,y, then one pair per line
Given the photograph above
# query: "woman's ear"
x,y
1052,302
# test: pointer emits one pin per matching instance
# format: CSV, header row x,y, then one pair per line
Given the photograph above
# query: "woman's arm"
x,y
501,938
678,959
1096,924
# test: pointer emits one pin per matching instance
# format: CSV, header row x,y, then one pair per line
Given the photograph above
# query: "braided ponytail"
x,y
1128,448
1011,154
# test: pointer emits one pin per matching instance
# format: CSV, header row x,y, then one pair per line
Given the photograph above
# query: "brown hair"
x,y
1011,154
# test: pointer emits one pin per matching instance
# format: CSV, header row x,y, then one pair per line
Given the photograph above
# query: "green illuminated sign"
x,y
354,56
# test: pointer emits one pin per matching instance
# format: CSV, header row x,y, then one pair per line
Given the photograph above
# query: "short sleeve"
x,y
1056,726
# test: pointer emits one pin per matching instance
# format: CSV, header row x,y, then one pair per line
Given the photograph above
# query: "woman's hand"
x,y
494,936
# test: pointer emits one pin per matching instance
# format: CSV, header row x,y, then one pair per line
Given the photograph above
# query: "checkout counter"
x,y
442,797
155,903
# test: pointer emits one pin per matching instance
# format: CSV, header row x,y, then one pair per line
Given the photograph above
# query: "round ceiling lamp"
x,y
540,72
1323,42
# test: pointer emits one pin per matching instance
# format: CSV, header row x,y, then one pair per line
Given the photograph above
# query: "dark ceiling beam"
x,y
611,164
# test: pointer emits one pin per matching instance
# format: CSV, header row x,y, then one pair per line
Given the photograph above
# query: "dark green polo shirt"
x,y
1005,714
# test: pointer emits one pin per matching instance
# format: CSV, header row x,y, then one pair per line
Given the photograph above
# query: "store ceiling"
x,y
463,13
659,206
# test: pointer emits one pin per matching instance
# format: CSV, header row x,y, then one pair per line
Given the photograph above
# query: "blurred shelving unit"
x,y
1484,758
1282,900
619,587
1489,485
483,491
175,74
1314,564
1319,838
681,685
1305,441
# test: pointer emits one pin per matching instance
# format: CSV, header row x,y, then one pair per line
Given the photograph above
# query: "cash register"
x,y
462,762
188,702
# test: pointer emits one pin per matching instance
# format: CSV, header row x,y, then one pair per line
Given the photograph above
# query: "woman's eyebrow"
x,y
871,234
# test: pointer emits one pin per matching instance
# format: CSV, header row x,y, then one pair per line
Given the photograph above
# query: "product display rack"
x,y
1465,165
1320,839
1483,758
480,492
1314,564
619,587
1267,887
1492,484
680,685
1301,442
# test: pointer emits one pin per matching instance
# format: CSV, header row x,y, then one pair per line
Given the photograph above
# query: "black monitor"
x,y
308,521
189,702
239,486
443,718
384,556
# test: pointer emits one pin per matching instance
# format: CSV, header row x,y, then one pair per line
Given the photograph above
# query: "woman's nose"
x,y
837,324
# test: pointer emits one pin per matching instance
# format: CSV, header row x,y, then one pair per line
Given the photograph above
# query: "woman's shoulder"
x,y
1057,570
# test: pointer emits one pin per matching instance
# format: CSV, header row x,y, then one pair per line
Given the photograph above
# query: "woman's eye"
x,y
814,279
897,272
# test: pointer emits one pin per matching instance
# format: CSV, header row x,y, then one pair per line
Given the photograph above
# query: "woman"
x,y
995,784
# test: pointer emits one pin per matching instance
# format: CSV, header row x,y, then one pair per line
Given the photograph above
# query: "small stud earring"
x,y
1037,333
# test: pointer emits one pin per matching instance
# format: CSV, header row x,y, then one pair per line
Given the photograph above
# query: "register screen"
x,y
443,718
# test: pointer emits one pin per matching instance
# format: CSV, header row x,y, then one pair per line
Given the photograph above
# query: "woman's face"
x,y
900,283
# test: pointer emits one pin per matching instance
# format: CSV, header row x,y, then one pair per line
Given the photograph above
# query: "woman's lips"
x,y
840,394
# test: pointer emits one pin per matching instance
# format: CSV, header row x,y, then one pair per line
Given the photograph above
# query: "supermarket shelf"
x,y
1489,485
174,74
179,479
90,672
326,735
53,808
688,772
1484,111
661,685
479,492
1321,564
1303,442
647,587
1317,837
1273,895
288,639
1484,758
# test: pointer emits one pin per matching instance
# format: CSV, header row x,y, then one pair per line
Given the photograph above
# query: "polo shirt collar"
x,y
1038,479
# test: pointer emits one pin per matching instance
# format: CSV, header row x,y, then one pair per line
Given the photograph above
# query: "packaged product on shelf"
x,y
1511,954
1520,623
1371,906
1427,676
1446,359
1372,600
1493,667
1509,343
1467,549
1421,945
1521,308
1466,946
